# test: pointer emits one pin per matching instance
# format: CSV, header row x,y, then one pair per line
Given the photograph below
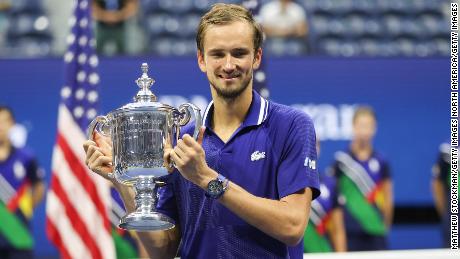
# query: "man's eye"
x,y
217,55
239,54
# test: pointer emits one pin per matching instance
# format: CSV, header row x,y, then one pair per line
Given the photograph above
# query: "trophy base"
x,y
146,222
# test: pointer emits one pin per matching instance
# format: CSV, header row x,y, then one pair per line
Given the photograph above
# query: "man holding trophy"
x,y
242,185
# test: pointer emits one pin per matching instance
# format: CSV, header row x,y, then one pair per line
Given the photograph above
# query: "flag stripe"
x,y
64,235
86,209
53,232
81,173
77,223
74,137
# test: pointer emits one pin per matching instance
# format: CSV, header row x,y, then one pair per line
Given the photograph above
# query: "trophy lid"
x,y
145,82
144,100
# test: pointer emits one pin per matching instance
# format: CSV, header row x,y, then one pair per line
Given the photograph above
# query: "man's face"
x,y
364,128
6,123
228,58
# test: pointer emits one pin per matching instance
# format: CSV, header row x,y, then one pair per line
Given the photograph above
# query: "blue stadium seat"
x,y
188,25
176,6
405,46
355,25
442,46
370,46
433,25
30,47
26,24
155,23
286,46
366,7
170,46
26,6
201,6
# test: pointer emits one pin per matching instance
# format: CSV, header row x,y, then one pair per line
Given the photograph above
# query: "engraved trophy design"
x,y
139,132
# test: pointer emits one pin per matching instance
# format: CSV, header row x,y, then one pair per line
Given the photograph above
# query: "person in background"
x,y
21,190
111,16
364,182
283,19
325,231
440,184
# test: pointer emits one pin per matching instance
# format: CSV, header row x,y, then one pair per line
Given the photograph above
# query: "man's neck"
x,y
229,114
5,149
362,151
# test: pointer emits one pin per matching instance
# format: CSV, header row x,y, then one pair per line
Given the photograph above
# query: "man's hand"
x,y
189,158
99,155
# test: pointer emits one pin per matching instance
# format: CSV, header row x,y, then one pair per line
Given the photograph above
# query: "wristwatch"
x,y
217,187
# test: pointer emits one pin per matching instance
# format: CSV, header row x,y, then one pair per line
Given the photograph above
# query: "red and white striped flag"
x,y
78,201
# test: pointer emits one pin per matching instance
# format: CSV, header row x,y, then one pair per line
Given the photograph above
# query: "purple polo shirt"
x,y
271,155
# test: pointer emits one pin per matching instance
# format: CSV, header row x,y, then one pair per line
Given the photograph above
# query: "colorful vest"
x,y
360,184
316,237
17,174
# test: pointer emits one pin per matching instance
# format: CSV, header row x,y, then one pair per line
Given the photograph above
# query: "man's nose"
x,y
229,65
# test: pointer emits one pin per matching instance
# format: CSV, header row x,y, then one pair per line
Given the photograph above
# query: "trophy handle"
x,y
98,124
186,110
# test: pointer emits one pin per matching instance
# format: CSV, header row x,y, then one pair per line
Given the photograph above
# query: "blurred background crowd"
x,y
348,28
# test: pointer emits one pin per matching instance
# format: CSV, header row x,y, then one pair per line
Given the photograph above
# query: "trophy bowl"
x,y
139,133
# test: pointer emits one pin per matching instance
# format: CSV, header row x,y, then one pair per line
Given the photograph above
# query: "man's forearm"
x,y
161,244
388,203
284,220
439,197
38,192
337,231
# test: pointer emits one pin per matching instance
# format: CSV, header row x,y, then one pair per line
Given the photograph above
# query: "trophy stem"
x,y
146,194
145,218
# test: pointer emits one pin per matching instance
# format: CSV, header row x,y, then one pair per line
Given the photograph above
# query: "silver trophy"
x,y
139,132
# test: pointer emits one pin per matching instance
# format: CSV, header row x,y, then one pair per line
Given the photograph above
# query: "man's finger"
x,y
87,144
186,144
102,141
167,144
91,150
104,161
201,135
176,158
179,152
96,154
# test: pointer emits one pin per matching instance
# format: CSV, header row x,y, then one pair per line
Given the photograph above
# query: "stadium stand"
x,y
340,28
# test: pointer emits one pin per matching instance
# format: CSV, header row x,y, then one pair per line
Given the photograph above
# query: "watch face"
x,y
215,187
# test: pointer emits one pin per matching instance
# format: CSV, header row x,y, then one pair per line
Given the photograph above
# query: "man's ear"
x,y
257,58
201,62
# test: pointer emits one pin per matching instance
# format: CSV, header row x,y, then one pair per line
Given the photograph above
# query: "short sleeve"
x,y
298,163
34,172
386,172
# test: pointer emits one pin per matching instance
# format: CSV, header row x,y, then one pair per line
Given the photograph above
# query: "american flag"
x,y
260,76
78,200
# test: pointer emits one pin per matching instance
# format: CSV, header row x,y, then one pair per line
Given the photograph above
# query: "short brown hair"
x,y
364,110
221,14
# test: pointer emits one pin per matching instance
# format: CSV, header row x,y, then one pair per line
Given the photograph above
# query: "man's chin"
x,y
229,93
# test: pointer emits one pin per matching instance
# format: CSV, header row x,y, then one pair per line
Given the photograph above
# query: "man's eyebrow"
x,y
240,49
232,50
215,50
